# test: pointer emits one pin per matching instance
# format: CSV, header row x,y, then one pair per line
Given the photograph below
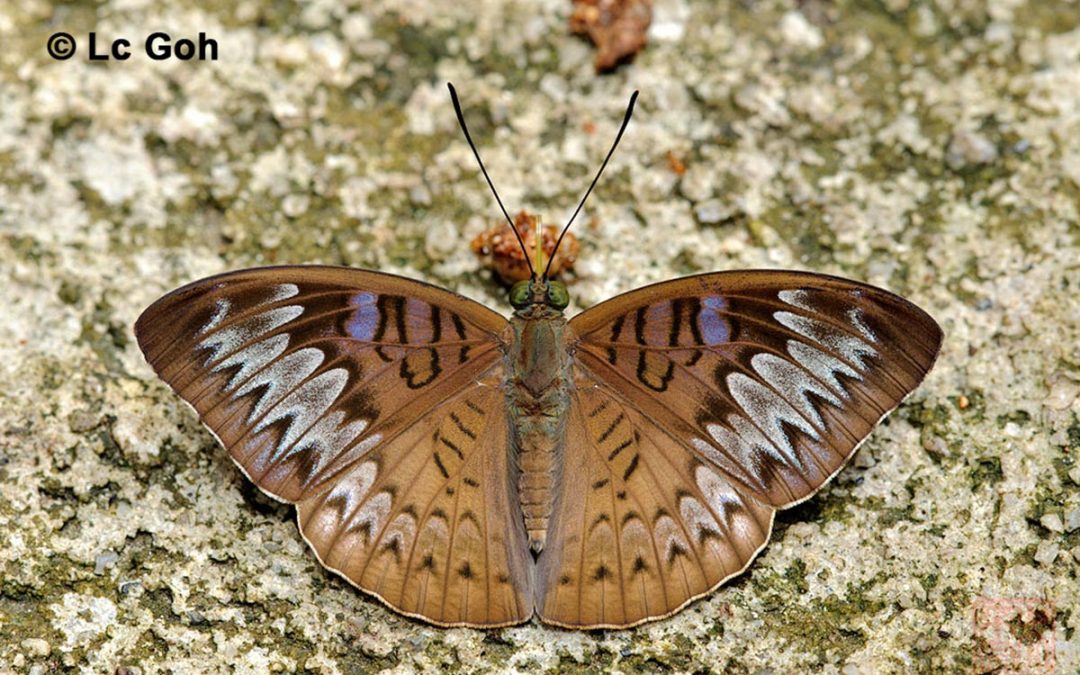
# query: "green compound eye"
x,y
519,295
557,295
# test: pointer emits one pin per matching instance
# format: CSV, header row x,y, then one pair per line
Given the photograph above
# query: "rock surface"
x,y
932,148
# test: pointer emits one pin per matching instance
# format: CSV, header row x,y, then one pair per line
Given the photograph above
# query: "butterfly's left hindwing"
x,y
372,402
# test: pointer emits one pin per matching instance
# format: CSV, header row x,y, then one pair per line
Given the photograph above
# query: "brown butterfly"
x,y
598,472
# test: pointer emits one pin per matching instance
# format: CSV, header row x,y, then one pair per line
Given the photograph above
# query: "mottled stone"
x,y
1047,552
36,647
1072,519
1052,522
970,148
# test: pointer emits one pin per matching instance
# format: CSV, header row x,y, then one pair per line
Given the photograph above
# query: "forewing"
x,y
331,388
299,370
642,525
772,378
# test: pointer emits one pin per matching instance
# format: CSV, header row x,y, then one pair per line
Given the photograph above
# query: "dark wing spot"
x,y
676,322
409,509
465,571
621,494
413,378
611,427
393,546
428,563
470,516
616,330
674,551
640,566
307,460
639,326
436,325
643,373
471,482
337,503
706,533
631,468
502,578
399,319
364,528
380,328
630,515
564,580
461,426
619,448
600,408
600,483
457,451
713,411
441,466
437,512
459,328
602,572
695,320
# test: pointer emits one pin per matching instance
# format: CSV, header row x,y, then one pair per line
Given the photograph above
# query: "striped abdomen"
x,y
538,400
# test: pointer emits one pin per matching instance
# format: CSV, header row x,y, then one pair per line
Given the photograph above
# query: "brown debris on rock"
x,y
500,251
616,27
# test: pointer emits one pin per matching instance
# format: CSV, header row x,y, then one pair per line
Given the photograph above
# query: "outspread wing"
x,y
373,403
642,525
700,406
772,378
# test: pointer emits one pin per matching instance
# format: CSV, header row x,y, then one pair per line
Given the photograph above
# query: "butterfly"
x,y
597,472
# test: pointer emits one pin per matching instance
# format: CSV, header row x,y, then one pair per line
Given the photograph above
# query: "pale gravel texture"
x,y
929,147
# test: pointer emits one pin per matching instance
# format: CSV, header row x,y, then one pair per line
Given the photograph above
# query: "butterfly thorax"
x,y
538,397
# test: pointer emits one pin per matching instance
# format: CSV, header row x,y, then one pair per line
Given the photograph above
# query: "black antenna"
x,y
465,129
618,137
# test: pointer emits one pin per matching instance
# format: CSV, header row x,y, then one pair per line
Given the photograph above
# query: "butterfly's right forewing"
x,y
373,403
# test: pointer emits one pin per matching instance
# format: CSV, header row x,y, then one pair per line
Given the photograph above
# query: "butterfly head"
x,y
525,294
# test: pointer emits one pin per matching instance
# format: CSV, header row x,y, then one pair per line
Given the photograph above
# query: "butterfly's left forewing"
x,y
373,403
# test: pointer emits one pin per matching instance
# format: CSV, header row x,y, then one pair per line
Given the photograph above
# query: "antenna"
x,y
618,137
465,129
